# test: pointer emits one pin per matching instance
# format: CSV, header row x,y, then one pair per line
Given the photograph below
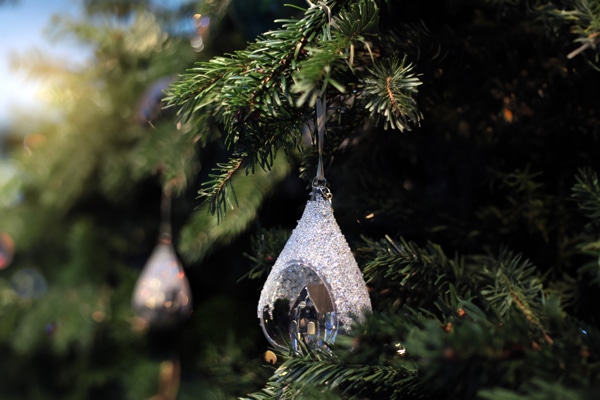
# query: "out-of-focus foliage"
x,y
461,149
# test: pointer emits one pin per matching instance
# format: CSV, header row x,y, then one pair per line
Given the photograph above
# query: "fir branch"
x,y
216,189
205,232
408,274
334,54
516,284
388,90
315,74
259,94
483,287
584,18
241,79
248,92
586,193
358,21
327,374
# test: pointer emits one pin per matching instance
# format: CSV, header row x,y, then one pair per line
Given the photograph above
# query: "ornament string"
x,y
321,119
165,215
319,182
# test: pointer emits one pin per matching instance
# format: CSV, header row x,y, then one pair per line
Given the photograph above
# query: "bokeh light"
x,y
7,249
28,283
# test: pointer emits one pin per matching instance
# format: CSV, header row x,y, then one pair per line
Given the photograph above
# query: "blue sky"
x,y
22,25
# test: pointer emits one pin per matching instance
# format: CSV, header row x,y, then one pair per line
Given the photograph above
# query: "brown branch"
x,y
390,94
217,192
530,317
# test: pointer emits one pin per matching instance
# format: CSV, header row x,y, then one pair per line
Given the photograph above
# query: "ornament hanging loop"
x,y
319,183
319,186
165,233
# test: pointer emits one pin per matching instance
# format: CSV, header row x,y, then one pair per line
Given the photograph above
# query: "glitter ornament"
x,y
315,290
162,297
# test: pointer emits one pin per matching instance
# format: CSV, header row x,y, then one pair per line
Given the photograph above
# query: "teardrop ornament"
x,y
162,296
315,289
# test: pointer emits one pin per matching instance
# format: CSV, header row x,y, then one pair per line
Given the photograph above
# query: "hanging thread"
x,y
320,183
165,215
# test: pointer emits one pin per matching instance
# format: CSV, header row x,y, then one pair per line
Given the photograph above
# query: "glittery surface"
x,y
318,242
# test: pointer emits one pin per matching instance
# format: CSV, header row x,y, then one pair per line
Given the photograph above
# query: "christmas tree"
x,y
459,142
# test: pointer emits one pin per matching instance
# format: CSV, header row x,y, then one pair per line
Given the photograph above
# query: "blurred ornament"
x,y
162,297
50,328
28,283
201,24
168,380
150,108
197,43
7,249
315,289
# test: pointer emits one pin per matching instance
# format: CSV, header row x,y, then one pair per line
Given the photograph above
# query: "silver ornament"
x,y
162,297
315,290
